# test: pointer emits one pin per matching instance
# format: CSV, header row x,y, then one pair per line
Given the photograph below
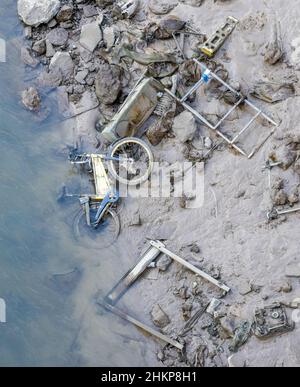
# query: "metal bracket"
x,y
155,249
207,76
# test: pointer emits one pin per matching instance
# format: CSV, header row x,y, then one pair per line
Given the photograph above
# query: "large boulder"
x,y
36,12
108,83
63,63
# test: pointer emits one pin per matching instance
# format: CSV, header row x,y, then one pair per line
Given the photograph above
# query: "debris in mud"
x,y
271,320
163,263
241,335
159,317
273,92
274,49
31,99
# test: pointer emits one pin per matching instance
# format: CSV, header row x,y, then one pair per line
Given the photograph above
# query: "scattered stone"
x,y
163,263
58,36
245,288
65,13
87,102
36,12
159,317
62,62
90,10
187,308
52,23
280,198
109,37
81,75
108,83
162,7
285,156
293,270
31,99
50,52
39,47
293,198
184,126
160,356
208,144
274,50
78,89
27,58
195,248
90,36
171,24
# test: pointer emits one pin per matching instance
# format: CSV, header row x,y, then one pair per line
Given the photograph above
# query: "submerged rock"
x,y
27,58
36,12
31,99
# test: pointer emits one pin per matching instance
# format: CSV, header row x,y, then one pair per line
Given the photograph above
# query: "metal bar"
x,y
132,275
159,245
229,112
213,75
257,148
262,113
245,127
140,325
192,90
283,212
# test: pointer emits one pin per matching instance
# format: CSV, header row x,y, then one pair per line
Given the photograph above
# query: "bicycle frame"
x,y
104,195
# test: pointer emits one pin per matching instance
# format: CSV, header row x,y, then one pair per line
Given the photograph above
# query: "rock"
x,y
108,83
171,24
36,12
31,99
50,52
229,325
58,36
109,37
293,270
186,309
293,198
162,7
184,126
159,317
39,47
85,54
65,13
27,58
62,62
81,75
90,10
78,89
87,102
163,263
160,356
53,78
280,198
208,144
193,3
245,288
90,36
195,248
52,23
27,32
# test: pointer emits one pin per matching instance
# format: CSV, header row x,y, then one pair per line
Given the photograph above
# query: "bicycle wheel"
x,y
133,161
104,235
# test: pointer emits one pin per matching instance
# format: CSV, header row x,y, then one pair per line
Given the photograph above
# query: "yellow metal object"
x,y
212,45
102,185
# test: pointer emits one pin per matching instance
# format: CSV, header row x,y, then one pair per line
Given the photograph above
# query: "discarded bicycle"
x,y
129,161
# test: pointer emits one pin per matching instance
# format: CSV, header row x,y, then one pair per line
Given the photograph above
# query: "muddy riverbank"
x,y
230,236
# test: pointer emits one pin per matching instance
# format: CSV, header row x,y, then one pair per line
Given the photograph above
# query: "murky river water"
x,y
36,241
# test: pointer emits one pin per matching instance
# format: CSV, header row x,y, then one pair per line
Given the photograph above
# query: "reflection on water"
x,y
48,281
